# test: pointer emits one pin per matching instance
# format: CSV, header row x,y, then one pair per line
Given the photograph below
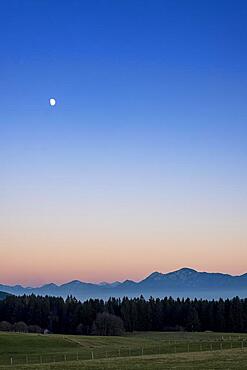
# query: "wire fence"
x,y
99,353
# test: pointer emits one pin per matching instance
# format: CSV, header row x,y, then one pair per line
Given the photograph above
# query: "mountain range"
x,y
185,282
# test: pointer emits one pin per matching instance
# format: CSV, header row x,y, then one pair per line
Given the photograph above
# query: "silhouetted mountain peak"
x,y
50,285
185,271
154,276
128,282
75,282
178,274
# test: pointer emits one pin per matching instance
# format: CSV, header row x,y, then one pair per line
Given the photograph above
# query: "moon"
x,y
52,102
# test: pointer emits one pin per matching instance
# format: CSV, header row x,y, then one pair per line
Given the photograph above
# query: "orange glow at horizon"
x,y
60,259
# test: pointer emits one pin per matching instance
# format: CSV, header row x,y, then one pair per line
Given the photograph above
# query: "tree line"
x,y
112,317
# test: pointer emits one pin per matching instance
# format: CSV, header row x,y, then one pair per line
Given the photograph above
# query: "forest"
x,y
113,317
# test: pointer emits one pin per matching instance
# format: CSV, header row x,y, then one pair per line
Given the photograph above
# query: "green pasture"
x,y
178,350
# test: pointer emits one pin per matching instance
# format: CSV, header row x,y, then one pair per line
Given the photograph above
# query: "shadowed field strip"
x,y
73,341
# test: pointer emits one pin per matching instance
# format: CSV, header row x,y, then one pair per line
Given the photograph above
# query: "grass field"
x,y
145,351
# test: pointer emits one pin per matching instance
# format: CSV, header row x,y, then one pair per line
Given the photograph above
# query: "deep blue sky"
x,y
146,149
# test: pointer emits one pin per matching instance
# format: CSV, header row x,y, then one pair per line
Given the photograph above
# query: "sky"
x,y
142,164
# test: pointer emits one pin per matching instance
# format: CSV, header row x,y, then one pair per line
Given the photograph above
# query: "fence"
x,y
103,352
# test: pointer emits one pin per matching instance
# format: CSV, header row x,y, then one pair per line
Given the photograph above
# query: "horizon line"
x,y
119,281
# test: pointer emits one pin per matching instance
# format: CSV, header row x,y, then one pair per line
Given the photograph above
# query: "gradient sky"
x,y
142,164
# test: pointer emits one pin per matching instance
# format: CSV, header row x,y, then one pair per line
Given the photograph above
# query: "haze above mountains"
x,y
185,282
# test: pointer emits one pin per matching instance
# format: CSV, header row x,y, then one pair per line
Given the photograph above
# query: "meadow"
x,y
156,351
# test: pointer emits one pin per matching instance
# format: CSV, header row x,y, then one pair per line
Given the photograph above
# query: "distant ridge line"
x,y
183,282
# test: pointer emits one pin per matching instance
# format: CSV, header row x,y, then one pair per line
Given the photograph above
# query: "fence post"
x,y
41,359
142,351
92,355
11,361
119,352
65,358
